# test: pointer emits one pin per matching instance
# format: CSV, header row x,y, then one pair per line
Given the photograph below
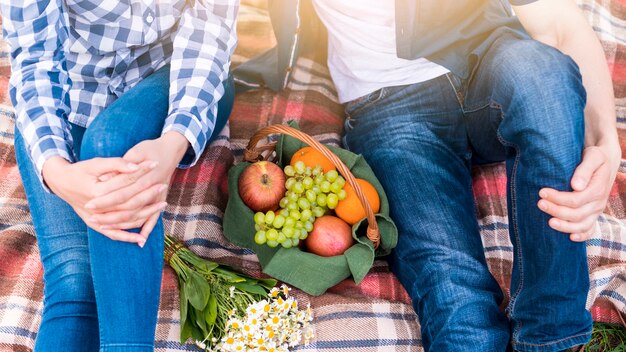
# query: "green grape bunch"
x,y
310,194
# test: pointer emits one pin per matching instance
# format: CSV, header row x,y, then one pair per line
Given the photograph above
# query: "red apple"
x,y
330,236
262,185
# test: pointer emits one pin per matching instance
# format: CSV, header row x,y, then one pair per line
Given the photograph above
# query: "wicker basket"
x,y
374,236
253,154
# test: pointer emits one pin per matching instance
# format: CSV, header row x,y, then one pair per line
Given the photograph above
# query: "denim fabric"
x,y
101,294
524,105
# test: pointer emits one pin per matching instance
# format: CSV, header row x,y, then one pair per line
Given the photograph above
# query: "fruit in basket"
x,y
262,185
350,209
312,157
330,236
310,194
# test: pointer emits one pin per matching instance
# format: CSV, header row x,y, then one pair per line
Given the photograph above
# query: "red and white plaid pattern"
x,y
373,316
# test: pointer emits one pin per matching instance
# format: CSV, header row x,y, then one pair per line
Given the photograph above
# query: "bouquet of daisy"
x,y
274,325
221,308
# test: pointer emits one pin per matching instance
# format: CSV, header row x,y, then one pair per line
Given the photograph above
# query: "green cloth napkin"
x,y
309,272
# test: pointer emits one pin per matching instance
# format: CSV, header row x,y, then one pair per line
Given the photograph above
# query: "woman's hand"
x,y
576,212
140,203
78,183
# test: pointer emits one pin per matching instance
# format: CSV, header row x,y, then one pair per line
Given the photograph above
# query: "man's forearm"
x,y
584,47
561,24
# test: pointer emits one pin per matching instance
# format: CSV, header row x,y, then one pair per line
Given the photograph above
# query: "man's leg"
x,y
127,278
69,321
526,104
414,140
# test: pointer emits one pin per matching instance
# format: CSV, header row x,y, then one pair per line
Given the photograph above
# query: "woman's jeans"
x,y
524,105
101,294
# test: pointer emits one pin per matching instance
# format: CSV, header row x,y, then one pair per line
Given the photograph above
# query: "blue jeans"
x,y
101,294
523,105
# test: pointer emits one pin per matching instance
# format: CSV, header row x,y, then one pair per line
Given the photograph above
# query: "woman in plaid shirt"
x,y
110,97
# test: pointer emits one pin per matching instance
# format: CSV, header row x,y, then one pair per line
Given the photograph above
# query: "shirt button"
x,y
149,19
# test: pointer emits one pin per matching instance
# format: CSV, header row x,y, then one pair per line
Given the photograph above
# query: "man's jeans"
x,y
101,294
523,105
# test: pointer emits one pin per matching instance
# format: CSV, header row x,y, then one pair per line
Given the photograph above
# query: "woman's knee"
x,y
99,142
102,140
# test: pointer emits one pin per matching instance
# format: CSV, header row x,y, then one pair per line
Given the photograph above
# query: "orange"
x,y
311,157
350,209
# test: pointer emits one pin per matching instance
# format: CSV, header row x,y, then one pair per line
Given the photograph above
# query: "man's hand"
x,y
78,183
576,212
140,203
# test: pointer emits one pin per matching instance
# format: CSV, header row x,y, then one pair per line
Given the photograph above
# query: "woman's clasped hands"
x,y
114,195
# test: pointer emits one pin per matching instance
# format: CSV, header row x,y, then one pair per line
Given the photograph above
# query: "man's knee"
x,y
542,95
534,78
537,66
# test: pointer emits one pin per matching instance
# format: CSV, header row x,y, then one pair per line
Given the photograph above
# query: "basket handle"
x,y
253,154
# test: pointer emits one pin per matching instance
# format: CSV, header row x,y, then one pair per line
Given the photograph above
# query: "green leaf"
x,y
228,275
211,311
198,290
254,289
268,283
197,261
196,333
200,321
185,332
207,266
183,305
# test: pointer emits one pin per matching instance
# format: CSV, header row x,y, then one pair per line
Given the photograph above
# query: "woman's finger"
x,y
101,166
122,180
136,224
121,196
149,226
149,196
107,176
122,236
115,220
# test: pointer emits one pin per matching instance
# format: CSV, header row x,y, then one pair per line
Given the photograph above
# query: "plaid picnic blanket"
x,y
373,316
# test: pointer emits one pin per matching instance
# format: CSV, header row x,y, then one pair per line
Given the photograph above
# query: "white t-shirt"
x,y
362,48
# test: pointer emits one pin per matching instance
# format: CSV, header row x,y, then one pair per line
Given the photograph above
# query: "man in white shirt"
x,y
544,105
434,86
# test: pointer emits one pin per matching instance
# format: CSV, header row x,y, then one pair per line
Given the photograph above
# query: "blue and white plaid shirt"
x,y
73,58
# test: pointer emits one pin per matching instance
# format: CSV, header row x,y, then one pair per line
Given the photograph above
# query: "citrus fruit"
x,y
350,209
311,157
